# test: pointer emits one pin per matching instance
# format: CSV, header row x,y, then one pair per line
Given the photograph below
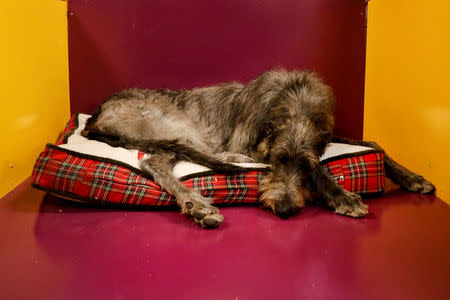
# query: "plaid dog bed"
x,y
71,170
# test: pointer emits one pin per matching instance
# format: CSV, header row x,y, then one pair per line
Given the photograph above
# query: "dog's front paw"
x,y
209,220
203,213
351,205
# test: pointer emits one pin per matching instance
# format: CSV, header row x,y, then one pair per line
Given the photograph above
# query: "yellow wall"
x,y
407,97
34,83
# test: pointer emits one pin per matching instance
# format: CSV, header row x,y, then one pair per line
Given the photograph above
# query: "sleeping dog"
x,y
284,119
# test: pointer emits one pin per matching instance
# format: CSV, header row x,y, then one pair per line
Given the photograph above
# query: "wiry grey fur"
x,y
281,118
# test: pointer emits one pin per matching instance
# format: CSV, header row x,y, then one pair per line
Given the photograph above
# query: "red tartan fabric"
x,y
360,174
102,182
88,179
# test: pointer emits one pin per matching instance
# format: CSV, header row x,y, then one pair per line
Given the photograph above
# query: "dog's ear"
x,y
326,136
322,140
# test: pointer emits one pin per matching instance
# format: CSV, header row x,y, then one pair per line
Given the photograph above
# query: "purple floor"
x,y
53,249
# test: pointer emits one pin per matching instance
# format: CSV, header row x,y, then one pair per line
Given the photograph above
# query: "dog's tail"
x,y
182,151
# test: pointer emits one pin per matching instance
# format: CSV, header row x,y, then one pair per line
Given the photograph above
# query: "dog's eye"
x,y
284,159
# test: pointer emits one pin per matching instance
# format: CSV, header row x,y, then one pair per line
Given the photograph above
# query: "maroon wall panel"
x,y
114,44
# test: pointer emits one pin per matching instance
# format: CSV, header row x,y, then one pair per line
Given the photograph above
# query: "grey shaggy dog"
x,y
284,119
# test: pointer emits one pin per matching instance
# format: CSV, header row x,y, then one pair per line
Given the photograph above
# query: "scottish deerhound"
x,y
284,119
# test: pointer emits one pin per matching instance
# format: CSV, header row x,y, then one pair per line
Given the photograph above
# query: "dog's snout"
x,y
286,207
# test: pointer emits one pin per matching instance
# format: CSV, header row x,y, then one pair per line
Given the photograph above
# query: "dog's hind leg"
x,y
406,179
160,165
343,202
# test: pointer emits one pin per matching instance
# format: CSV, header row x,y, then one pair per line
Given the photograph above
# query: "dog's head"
x,y
293,151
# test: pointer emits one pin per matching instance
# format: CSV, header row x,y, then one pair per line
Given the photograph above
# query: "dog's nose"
x,y
286,207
